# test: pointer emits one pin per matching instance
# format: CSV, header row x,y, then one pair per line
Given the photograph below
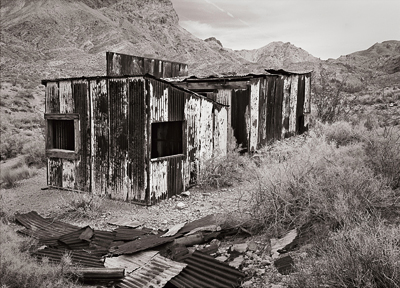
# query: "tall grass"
x,y
19,270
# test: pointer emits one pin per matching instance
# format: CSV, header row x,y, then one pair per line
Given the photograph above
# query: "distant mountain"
x,y
65,38
278,55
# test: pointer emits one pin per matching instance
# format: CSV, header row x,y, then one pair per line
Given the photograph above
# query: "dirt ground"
x,y
28,195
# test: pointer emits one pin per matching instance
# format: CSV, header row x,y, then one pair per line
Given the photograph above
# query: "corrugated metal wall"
x,y
122,65
272,107
115,120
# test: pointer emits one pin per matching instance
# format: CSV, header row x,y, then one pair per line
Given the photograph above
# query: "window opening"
x,y
166,139
63,134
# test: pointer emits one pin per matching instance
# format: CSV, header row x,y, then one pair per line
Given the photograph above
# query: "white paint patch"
x,y
293,103
254,113
68,174
66,100
158,178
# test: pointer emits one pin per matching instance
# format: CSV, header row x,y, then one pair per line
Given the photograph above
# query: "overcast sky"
x,y
324,28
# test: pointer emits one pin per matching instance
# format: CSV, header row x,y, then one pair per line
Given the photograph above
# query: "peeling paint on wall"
x,y
158,179
254,113
66,100
68,174
293,104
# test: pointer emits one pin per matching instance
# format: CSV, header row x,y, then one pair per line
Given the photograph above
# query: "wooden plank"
x,y
254,113
66,100
286,105
55,172
52,98
57,116
62,154
293,104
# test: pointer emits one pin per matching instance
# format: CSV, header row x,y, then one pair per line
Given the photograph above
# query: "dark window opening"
x,y
166,139
63,134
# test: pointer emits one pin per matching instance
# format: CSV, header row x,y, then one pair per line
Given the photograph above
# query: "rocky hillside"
x,y
279,55
64,38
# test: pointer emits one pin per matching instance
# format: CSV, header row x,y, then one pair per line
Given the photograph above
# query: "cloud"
x,y
229,14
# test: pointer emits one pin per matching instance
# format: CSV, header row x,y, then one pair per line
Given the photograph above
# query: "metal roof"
x,y
155,274
128,233
204,271
287,72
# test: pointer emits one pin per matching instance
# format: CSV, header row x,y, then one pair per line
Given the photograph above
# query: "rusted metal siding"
x,y
137,146
100,136
82,107
307,100
122,64
287,82
118,149
300,105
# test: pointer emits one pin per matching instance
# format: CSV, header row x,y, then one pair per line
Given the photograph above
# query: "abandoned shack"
x,y
136,138
143,139
262,108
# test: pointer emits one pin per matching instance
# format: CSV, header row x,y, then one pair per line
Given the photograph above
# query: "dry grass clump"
x,y
82,205
18,269
225,171
11,175
364,256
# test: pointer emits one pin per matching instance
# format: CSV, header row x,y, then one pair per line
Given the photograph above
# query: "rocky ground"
x,y
252,254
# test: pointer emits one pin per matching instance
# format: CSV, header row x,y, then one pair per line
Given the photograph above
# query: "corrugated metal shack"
x,y
262,108
135,138
122,65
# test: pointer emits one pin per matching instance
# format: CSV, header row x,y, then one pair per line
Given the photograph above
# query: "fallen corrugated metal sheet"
x,y
144,243
202,222
77,256
204,271
77,240
130,262
155,274
125,222
173,230
103,238
43,228
129,234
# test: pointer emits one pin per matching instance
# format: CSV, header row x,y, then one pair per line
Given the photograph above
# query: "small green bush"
x,y
342,133
82,205
364,256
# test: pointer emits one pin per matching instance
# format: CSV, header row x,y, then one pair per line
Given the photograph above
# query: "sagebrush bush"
x,y
321,180
364,256
34,152
224,171
383,151
19,270
10,175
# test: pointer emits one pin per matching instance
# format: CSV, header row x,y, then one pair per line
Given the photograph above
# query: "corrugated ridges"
x,y
42,228
130,262
103,238
77,240
144,243
128,234
155,274
78,257
205,271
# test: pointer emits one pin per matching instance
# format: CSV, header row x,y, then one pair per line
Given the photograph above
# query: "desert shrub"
x,y
332,184
18,269
224,171
82,205
383,151
364,256
11,175
11,145
34,152
342,133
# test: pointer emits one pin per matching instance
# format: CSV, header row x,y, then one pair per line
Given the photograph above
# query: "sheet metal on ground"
x,y
204,271
42,228
78,256
155,274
